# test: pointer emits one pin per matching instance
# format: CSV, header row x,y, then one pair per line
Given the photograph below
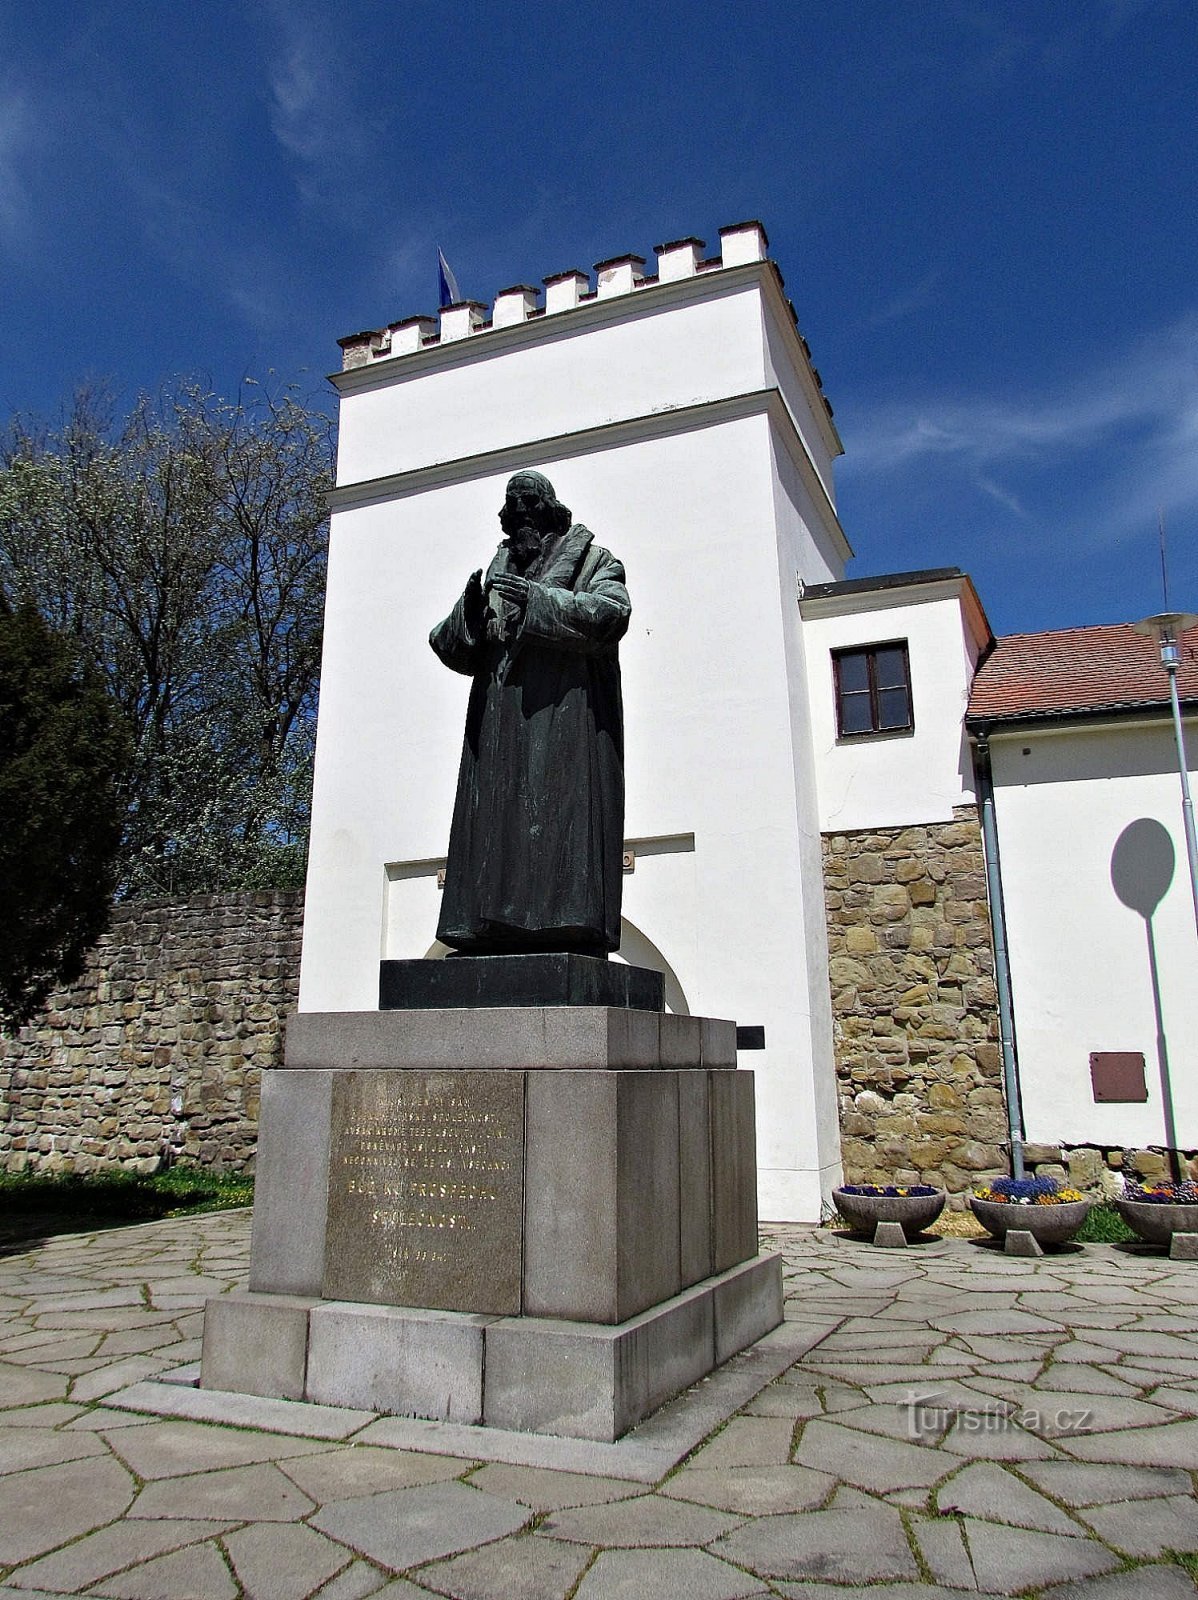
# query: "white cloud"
x,y
1136,414
312,112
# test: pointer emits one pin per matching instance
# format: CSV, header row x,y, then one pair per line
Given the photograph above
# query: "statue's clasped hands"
x,y
511,588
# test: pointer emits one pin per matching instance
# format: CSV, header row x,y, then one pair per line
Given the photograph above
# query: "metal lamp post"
x,y
1166,629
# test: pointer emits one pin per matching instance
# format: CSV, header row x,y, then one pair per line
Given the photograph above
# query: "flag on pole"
x,y
447,282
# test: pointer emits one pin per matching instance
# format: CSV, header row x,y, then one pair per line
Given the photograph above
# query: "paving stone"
x,y
51,1414
648,1520
900,1420
405,1527
752,1491
1173,1446
354,1582
880,1591
110,1550
114,1375
1184,1401
92,1300
782,1399
880,1465
857,1545
173,1449
49,1505
1078,1485
981,1440
996,1320
748,1442
1064,1411
1144,1344
1084,1378
355,1470
21,1387
1148,1527
401,1589
283,1562
544,1489
666,1575
21,1448
1143,1370
942,1546
1080,1351
846,1498
257,1493
195,1573
986,1491
1141,1583
526,1567
1008,1560
137,1341
53,1356
99,1418
839,1398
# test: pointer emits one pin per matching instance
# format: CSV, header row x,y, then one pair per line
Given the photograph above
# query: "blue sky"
x,y
984,209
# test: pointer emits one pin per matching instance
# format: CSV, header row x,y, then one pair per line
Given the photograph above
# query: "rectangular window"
x,y
873,689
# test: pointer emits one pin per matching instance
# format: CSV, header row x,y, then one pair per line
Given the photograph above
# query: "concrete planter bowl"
x,y
913,1212
1156,1222
1046,1224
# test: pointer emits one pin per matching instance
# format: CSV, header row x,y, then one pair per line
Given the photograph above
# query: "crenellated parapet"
x,y
741,243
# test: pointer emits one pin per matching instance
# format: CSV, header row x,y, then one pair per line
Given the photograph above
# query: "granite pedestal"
x,y
540,1217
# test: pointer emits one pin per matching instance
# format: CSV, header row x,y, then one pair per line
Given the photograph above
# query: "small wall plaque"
x,y
1118,1075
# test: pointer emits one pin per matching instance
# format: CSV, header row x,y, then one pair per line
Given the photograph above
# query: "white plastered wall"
x,y
901,779
1082,972
716,521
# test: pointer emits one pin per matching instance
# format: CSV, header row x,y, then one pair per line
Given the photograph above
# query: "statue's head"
x,y
531,514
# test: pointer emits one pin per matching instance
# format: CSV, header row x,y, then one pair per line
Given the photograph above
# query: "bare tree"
x,y
184,548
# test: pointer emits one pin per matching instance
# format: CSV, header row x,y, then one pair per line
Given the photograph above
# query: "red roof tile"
x,y
1071,670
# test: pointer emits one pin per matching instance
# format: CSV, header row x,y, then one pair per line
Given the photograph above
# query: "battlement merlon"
x,y
696,333
741,244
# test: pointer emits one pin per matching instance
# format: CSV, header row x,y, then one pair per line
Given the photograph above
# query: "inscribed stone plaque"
x,y
426,1190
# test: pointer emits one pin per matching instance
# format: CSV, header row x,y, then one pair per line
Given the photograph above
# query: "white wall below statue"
x,y
717,747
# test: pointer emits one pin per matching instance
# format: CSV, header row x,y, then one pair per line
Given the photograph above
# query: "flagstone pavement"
x,y
973,1424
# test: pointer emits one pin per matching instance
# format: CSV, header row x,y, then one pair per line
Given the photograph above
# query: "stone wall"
x,y
157,1051
914,1005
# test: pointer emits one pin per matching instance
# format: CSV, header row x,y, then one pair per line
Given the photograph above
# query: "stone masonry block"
x,y
291,1183
584,1381
733,1168
398,1360
601,1198
747,1303
694,1177
572,1038
256,1344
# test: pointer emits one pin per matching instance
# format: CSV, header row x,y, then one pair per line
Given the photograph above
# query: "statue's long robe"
x,y
535,848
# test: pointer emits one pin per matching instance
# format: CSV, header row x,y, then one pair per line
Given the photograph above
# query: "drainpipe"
x,y
1002,966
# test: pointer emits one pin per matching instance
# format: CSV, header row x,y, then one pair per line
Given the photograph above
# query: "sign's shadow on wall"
x,y
1142,865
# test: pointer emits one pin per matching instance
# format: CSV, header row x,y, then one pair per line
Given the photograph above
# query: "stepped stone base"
x,y
579,1380
538,1217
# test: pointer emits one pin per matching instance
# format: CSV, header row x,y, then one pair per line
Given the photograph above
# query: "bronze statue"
x,y
535,848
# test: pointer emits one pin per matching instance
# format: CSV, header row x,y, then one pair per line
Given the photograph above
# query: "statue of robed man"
x,y
535,848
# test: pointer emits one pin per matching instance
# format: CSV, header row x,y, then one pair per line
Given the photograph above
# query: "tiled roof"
x,y
1074,670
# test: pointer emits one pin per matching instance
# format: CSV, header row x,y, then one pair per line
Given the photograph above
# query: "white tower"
x,y
680,418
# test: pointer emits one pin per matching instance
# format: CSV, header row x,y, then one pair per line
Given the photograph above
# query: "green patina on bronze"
x,y
537,835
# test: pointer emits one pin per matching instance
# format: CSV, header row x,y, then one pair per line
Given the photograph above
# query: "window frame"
x,y
870,653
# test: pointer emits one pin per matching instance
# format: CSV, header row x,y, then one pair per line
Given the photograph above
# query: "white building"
x,y
772,710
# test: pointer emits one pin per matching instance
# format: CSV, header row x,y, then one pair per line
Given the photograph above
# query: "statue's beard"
x,y
524,546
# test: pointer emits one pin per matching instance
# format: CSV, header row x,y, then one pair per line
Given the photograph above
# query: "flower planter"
x,y
1159,1222
1047,1224
911,1212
